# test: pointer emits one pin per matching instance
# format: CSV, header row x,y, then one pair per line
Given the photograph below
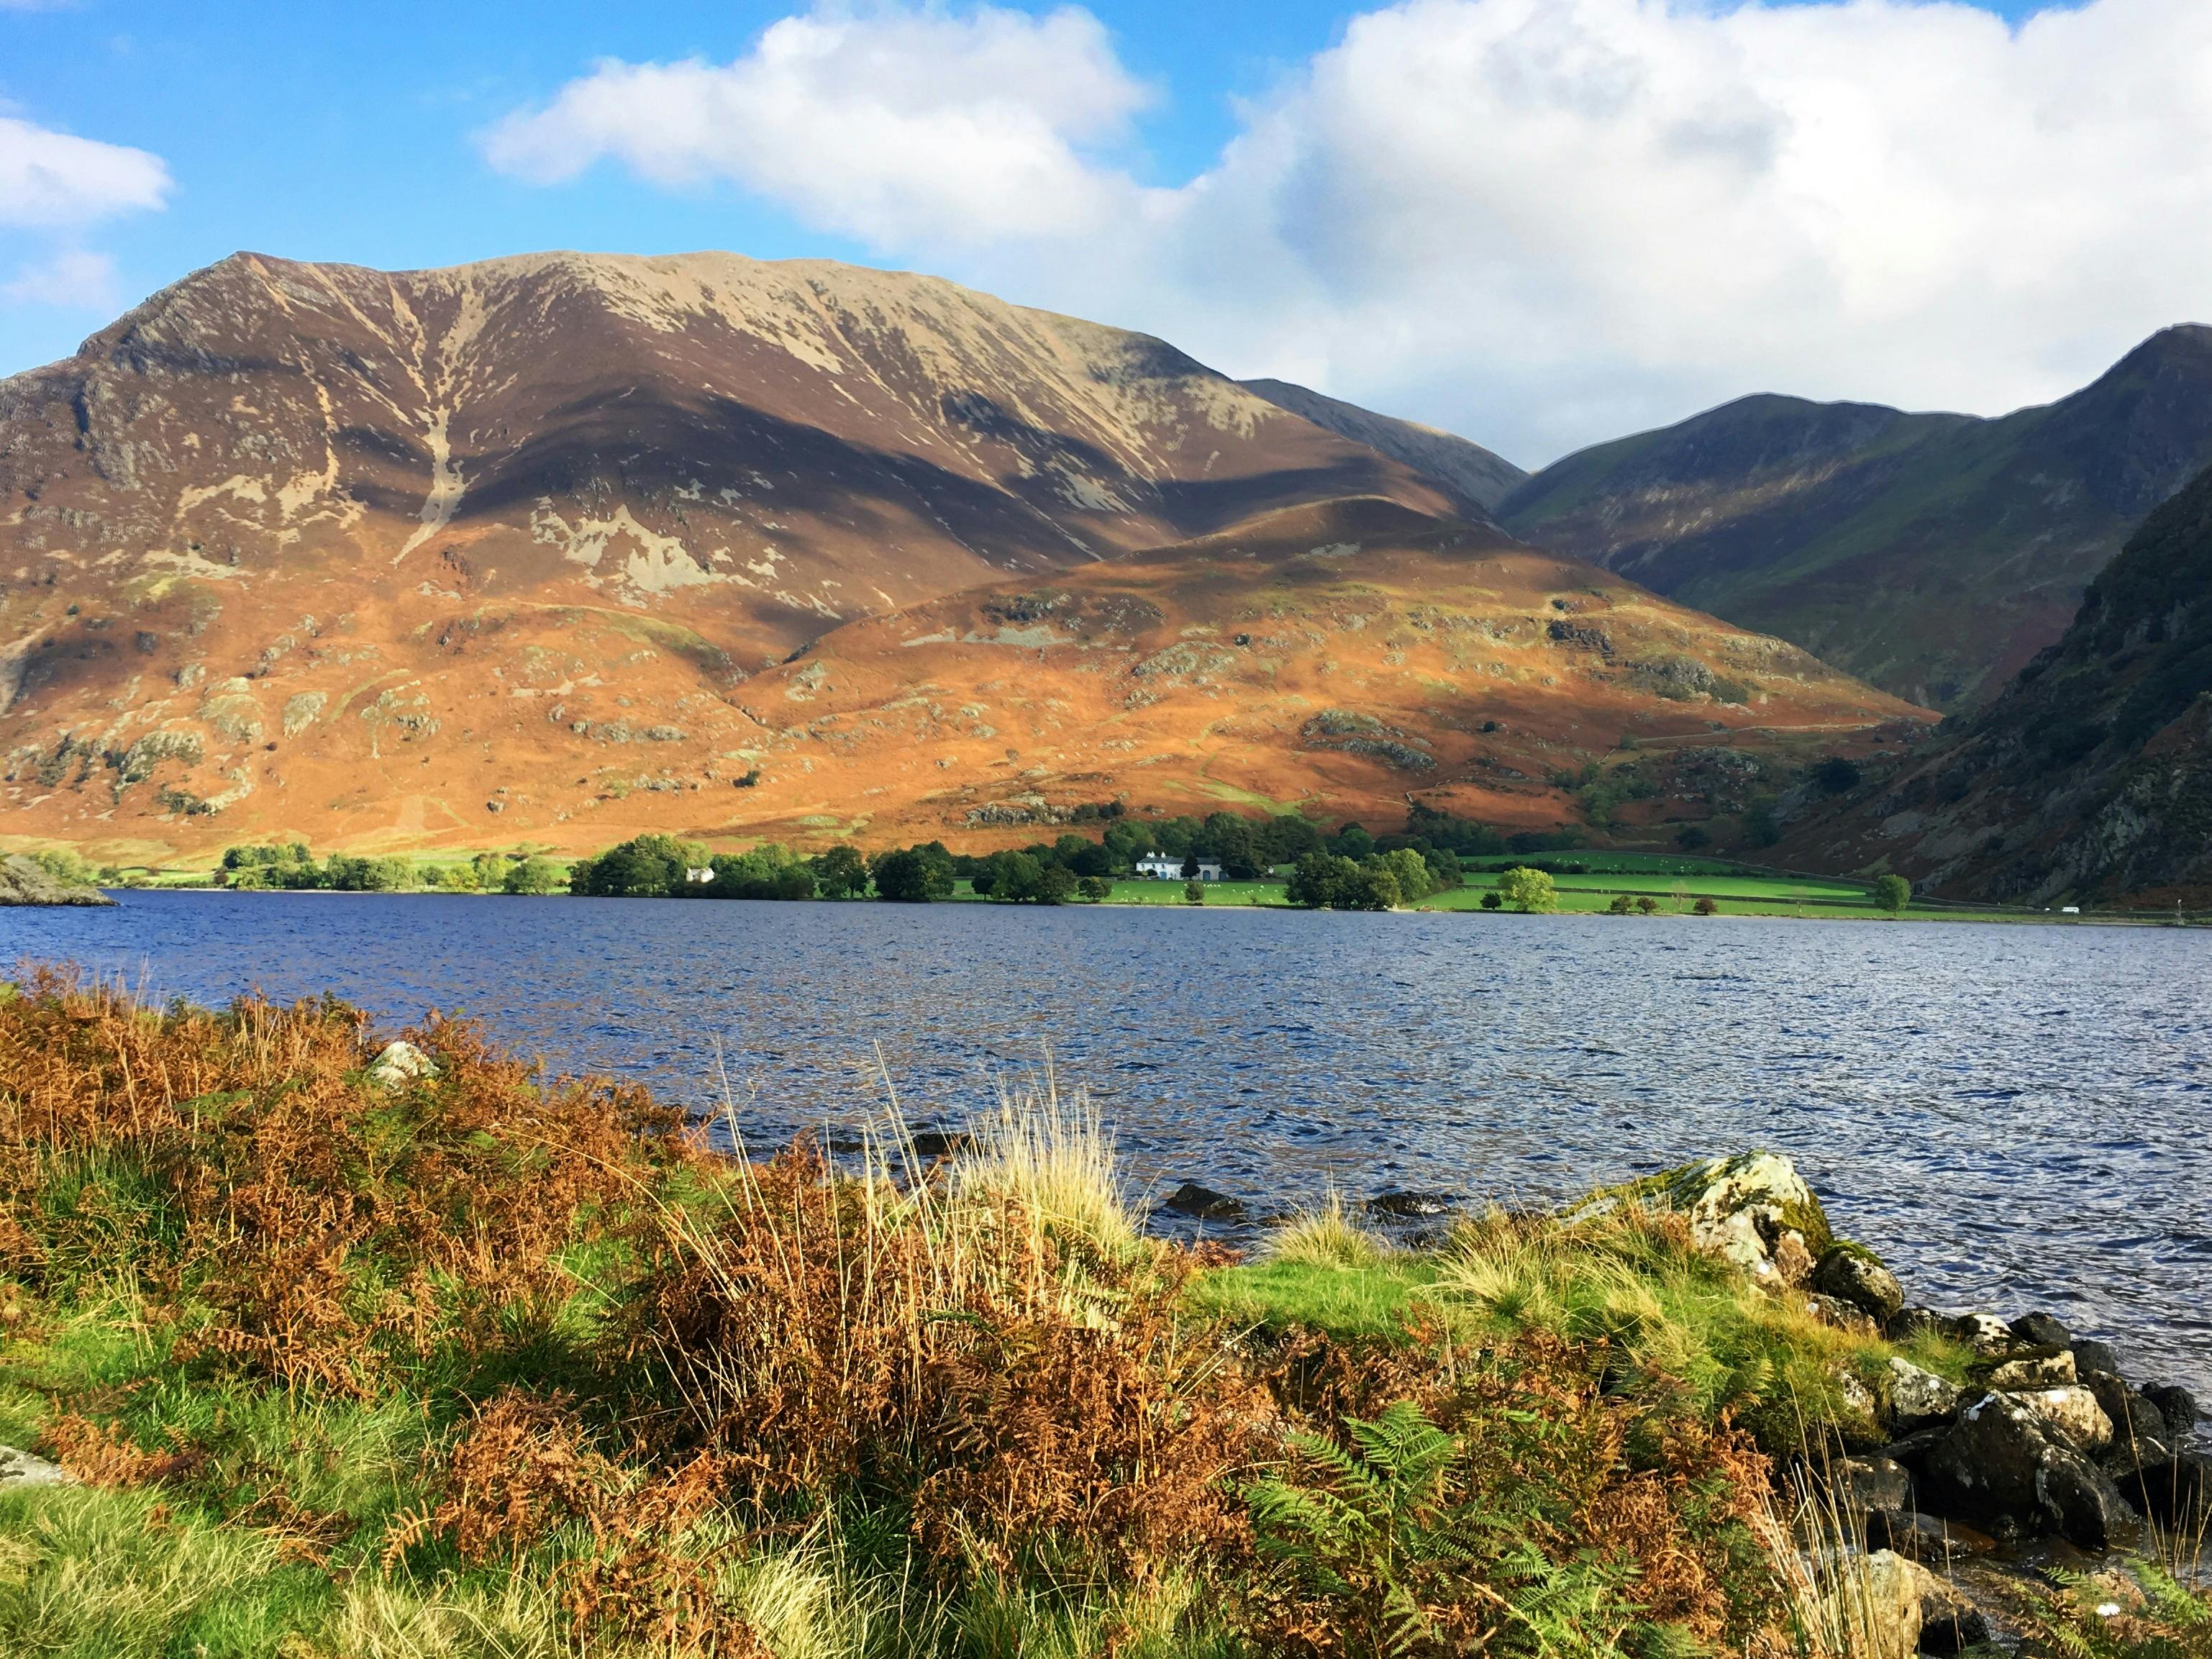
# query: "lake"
x,y
2017,1116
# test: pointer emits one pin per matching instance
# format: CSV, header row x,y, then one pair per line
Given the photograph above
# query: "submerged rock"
x,y
1923,1538
1203,1203
1412,1206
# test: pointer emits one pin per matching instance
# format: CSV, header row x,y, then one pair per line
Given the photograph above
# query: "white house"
x,y
1165,867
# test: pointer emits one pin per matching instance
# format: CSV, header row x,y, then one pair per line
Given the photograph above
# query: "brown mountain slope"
x,y
1477,479
2091,777
278,497
1931,555
1336,658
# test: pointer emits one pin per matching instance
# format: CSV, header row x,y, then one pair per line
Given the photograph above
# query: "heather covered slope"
x,y
1930,555
386,554
1335,658
2091,776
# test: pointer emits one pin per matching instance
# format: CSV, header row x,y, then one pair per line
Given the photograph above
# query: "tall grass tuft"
x,y
1325,1238
1047,1157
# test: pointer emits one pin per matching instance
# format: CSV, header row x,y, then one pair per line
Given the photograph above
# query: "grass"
x,y
484,1365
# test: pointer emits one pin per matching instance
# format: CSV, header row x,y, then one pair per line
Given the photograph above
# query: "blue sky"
x,y
360,132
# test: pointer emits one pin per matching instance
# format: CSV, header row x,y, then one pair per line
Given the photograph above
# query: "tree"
x,y
840,872
1622,905
1055,885
913,875
1835,774
1409,872
1373,887
1012,878
1094,889
1528,891
1194,892
534,875
1647,905
1318,879
1704,906
1230,840
1892,894
1352,841
1691,838
1492,902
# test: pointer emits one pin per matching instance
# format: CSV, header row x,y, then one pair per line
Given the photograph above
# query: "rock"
x,y
1861,1485
1742,1209
2040,1330
2040,1371
1910,1322
2001,1466
1884,1604
1913,1449
2177,1406
1203,1203
1949,1623
2085,1504
24,880
21,1468
1842,1315
1986,1333
2173,1486
2095,1357
400,1063
1923,1538
2072,1413
1853,1275
1918,1398
938,1143
1412,1206
2134,1419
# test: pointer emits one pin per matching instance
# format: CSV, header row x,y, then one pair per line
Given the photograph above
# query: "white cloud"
x,y
50,179
75,278
900,126
1541,222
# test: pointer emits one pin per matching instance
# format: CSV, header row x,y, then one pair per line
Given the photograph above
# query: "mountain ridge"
x,y
1932,554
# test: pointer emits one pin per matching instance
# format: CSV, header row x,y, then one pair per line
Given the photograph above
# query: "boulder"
x,y
2047,1369
1857,1276
2134,1420
1882,1595
2072,1413
1203,1203
1910,1322
1754,1209
1949,1622
1835,1312
1986,1333
2177,1406
1917,1397
2096,1357
21,1468
2040,1330
400,1063
2004,1466
1863,1485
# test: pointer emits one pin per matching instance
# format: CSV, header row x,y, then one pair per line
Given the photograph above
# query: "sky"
x,y
1540,223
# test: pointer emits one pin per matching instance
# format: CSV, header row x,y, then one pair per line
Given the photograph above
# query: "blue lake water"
x,y
2017,1116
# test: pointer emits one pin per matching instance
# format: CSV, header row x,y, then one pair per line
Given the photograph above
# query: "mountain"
x,y
1930,555
1476,478
2090,777
284,510
1340,656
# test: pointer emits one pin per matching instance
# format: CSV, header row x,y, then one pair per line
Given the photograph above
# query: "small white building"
x,y
1166,866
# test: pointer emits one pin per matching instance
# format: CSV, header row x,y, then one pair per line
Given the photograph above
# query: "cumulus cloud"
x,y
1541,222
899,126
52,179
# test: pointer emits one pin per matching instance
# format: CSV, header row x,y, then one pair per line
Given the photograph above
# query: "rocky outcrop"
x,y
24,881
